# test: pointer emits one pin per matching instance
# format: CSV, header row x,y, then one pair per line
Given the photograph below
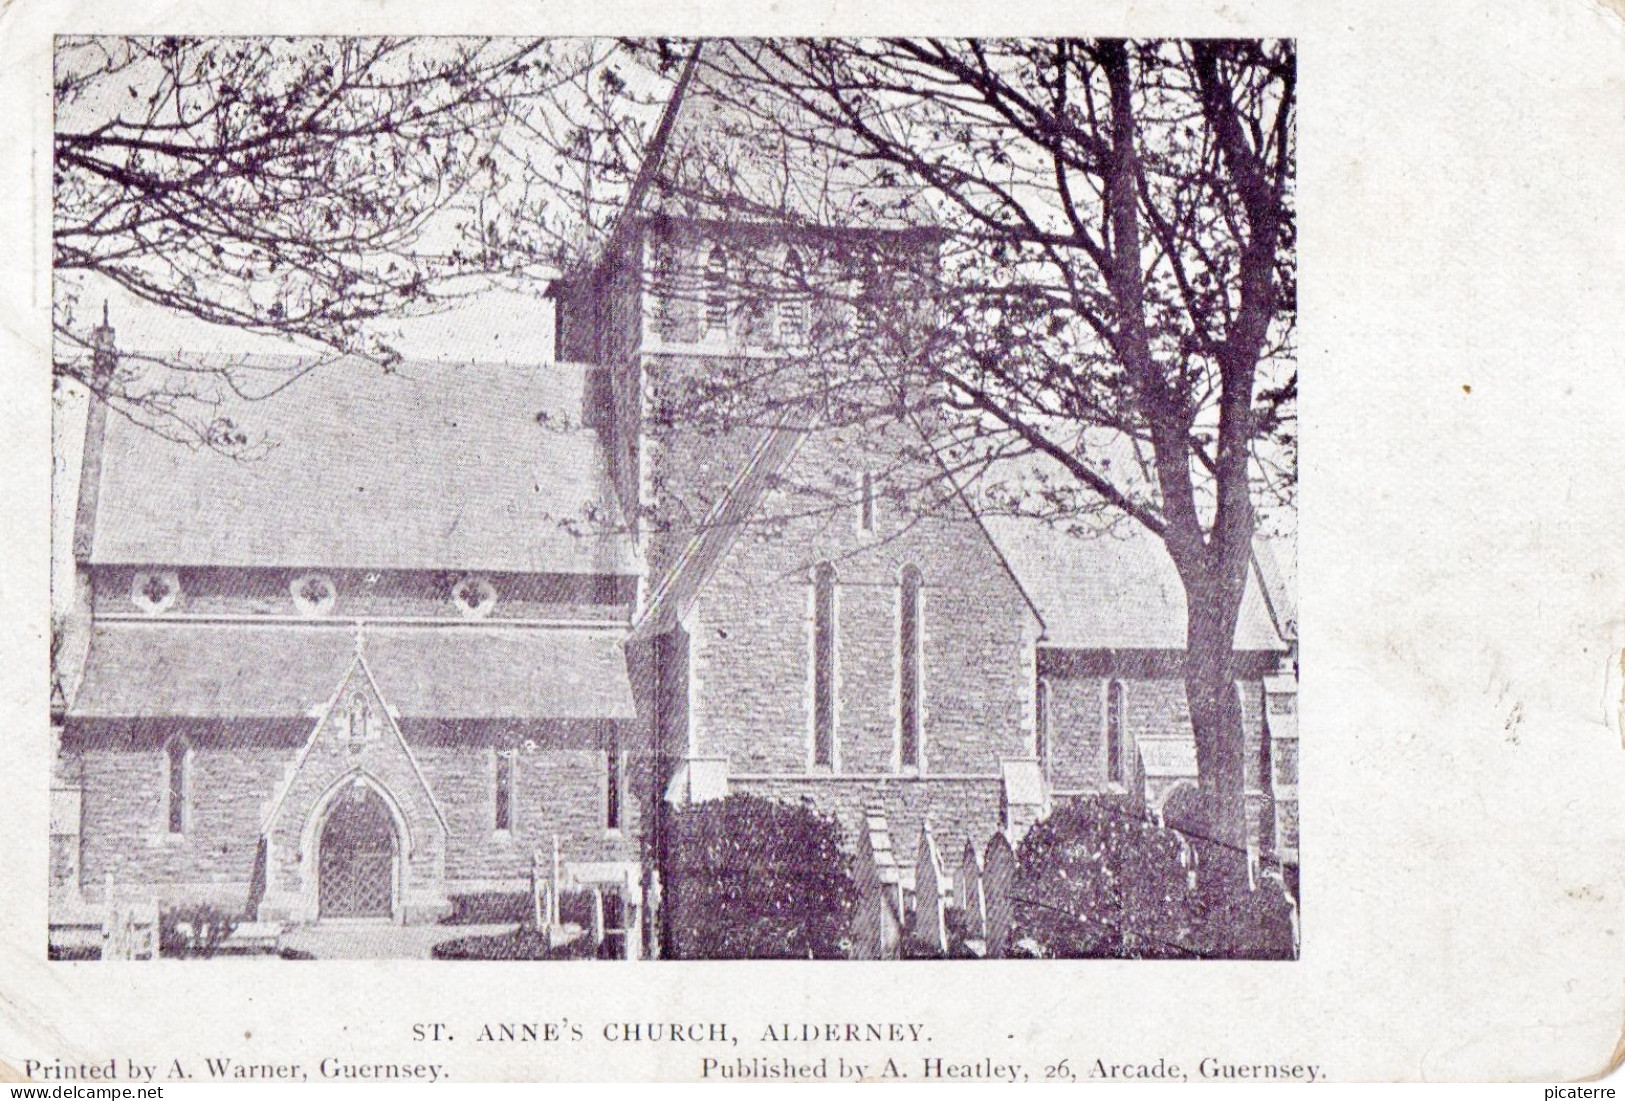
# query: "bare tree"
x,y
1111,285
303,188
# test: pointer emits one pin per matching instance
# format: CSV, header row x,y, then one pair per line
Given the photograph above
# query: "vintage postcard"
x,y
572,546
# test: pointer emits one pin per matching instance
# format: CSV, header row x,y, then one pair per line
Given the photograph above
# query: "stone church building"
x,y
456,617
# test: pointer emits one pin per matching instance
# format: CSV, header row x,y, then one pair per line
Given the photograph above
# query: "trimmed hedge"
x,y
489,908
525,943
1097,879
196,930
750,878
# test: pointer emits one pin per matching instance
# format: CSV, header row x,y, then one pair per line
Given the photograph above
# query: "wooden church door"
x,y
358,858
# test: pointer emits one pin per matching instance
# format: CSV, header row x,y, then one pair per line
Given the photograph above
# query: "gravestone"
x,y
968,893
998,884
877,922
930,921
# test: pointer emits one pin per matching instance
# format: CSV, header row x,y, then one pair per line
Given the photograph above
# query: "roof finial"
x,y
360,639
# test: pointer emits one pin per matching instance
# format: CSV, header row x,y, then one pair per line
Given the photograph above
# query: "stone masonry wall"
x,y
1153,708
958,808
238,768
752,641
124,824
556,792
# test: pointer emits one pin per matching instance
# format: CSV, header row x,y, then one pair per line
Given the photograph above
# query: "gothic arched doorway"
x,y
358,857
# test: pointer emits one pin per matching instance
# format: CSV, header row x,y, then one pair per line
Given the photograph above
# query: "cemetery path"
x,y
379,941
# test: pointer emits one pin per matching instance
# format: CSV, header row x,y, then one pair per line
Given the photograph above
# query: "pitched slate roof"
x,y
704,136
1277,563
1113,591
734,509
432,465
732,120
228,670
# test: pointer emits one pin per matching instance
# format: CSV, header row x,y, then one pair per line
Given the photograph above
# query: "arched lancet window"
x,y
908,678
716,289
793,306
1041,727
504,790
824,665
1115,723
614,779
177,781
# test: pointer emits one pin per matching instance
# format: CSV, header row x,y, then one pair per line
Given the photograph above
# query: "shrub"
x,y
74,952
960,944
521,944
194,930
489,908
1234,923
750,878
1098,879
575,908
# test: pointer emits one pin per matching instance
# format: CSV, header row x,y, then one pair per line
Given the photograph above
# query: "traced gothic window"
x,y
1263,768
664,285
677,312
1115,720
177,765
474,597
155,591
909,669
313,594
716,289
504,790
830,320
824,665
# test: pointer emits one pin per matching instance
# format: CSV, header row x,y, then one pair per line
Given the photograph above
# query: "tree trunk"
x,y
1216,722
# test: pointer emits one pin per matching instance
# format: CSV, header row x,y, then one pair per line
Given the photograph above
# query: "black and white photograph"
x,y
836,543
811,499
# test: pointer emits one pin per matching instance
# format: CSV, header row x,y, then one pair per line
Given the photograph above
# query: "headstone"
x,y
130,932
538,893
1135,782
968,893
598,915
144,931
554,886
877,924
930,922
1025,796
998,884
632,924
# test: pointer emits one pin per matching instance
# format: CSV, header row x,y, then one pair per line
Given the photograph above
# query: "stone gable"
x,y
355,744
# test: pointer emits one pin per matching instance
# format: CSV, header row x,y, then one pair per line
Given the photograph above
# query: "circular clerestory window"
x,y
155,591
313,593
474,597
